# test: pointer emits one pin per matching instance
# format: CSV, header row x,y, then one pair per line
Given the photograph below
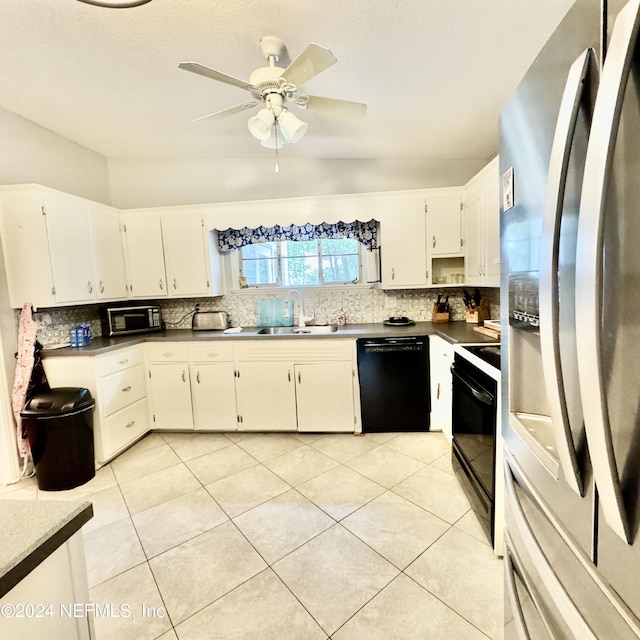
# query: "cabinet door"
x,y
143,237
108,254
444,229
440,360
474,227
492,231
67,221
266,396
185,257
26,248
324,394
213,393
170,394
403,252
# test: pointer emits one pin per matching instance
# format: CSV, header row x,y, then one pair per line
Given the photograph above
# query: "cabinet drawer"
x,y
167,351
122,388
119,360
211,352
127,425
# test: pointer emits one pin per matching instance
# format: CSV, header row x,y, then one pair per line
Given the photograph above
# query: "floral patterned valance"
x,y
364,232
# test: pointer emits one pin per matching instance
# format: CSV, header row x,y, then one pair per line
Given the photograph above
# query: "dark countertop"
x,y
31,531
453,332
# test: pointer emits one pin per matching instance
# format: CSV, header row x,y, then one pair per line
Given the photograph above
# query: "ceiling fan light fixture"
x,y
273,141
261,124
291,126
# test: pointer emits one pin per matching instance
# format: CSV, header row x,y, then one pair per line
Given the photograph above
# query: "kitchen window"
x,y
298,263
307,255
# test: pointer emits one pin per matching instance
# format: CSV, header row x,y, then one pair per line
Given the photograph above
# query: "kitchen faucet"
x,y
301,318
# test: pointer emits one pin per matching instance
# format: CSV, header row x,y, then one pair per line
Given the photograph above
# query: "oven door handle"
x,y
479,394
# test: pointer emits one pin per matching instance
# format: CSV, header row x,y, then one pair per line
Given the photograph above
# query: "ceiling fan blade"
x,y
228,112
332,107
200,69
313,60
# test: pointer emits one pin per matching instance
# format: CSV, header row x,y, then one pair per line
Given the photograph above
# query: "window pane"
x,y
292,248
339,246
340,268
300,271
259,263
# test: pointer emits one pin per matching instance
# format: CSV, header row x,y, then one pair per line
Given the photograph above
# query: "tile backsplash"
x,y
359,305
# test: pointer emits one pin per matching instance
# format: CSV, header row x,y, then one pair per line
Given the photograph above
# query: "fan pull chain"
x,y
277,166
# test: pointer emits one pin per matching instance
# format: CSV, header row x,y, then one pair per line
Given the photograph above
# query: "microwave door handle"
x,y
549,252
606,117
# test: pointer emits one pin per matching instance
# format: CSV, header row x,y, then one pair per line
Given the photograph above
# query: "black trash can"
x,y
59,426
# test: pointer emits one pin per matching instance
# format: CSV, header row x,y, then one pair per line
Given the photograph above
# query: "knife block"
x,y
479,314
439,316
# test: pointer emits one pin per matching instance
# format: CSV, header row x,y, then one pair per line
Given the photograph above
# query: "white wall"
x,y
147,182
30,153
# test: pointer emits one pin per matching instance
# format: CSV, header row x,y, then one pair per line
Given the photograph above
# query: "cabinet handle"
x,y
212,354
438,392
160,283
89,286
126,389
175,285
479,270
433,242
393,274
124,361
299,379
184,377
289,375
130,424
198,377
168,354
101,287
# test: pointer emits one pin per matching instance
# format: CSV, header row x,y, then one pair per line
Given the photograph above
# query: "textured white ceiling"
x,y
434,73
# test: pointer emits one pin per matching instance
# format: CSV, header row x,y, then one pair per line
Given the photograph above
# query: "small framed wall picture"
x,y
507,189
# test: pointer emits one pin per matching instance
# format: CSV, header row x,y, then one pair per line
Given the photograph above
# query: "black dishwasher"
x,y
394,383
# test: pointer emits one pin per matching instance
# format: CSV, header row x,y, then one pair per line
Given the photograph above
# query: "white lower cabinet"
x,y
324,396
213,394
169,385
266,396
440,361
296,385
170,395
116,381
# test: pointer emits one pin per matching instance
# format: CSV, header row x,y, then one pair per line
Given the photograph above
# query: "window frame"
x,y
361,280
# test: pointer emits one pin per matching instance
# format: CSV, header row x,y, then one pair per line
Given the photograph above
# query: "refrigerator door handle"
x,y
549,252
511,595
589,258
550,581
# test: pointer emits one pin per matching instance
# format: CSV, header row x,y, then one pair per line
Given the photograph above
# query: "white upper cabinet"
x,y
402,243
108,253
444,227
145,256
48,254
185,254
482,227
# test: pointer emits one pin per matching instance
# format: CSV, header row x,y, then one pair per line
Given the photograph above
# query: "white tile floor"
x,y
286,536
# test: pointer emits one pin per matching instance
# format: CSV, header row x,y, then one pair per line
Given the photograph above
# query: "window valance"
x,y
364,232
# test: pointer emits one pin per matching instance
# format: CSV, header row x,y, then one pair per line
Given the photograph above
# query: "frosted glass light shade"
x,y
260,125
292,127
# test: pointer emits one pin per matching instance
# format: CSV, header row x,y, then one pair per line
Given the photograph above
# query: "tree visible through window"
x,y
301,263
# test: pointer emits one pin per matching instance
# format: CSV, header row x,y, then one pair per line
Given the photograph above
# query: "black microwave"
x,y
120,321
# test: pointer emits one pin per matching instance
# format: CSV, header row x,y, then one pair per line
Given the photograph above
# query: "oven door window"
x,y
474,421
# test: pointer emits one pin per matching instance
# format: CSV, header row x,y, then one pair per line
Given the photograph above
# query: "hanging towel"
x,y
26,358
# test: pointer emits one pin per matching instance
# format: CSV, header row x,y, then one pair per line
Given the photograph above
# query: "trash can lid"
x,y
57,402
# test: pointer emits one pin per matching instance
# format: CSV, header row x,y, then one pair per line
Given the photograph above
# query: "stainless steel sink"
x,y
310,330
275,331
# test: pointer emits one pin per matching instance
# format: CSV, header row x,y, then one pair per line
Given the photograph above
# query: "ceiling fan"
x,y
274,87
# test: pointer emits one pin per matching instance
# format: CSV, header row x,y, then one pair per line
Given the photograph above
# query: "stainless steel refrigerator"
x,y
570,236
